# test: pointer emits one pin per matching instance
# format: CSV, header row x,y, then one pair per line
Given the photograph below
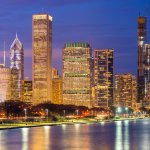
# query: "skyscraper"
x,y
14,84
125,90
42,58
5,83
103,77
77,63
17,62
142,36
146,67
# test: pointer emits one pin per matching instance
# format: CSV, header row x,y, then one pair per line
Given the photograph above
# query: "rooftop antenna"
x,y
4,55
16,36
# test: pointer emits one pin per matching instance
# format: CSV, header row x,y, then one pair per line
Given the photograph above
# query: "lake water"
x,y
120,135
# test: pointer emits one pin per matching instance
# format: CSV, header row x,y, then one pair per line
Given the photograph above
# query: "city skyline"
x,y
103,32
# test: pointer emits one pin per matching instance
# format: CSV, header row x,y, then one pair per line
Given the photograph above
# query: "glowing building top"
x,y
16,56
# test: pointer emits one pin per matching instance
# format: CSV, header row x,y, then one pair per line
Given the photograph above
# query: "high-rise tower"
x,y
77,71
125,90
17,63
42,58
142,37
103,77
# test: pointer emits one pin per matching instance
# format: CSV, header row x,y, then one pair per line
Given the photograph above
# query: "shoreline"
x,y
31,125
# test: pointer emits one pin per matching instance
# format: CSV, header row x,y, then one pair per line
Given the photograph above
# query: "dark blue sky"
x,y
102,23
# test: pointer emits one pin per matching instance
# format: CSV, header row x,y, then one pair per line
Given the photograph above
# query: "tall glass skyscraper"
x,y
77,71
17,63
103,77
42,58
142,35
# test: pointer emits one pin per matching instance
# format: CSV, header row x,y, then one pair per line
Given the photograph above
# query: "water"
x,y
120,135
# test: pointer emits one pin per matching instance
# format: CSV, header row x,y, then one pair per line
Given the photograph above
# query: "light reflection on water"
x,y
120,135
25,132
118,141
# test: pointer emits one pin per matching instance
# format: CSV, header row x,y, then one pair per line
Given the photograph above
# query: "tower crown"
x,y
16,43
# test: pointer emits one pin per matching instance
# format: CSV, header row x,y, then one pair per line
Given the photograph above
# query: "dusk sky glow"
x,y
102,23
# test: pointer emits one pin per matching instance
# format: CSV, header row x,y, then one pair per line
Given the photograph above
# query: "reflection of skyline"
x,y
118,141
126,135
37,139
25,138
3,139
120,135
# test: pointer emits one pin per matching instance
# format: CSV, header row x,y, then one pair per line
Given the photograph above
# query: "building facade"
x,y
56,87
142,37
125,90
27,91
103,77
146,66
57,96
55,73
77,63
17,62
5,83
42,58
14,84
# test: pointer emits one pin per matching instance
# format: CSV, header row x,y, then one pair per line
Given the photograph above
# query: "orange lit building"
x,y
14,85
125,90
77,71
27,91
42,58
57,90
5,83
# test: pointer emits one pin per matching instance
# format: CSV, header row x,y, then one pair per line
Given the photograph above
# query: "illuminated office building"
x,y
146,68
55,73
5,83
17,62
77,66
57,90
27,91
125,90
103,77
148,96
42,58
142,37
14,84
56,87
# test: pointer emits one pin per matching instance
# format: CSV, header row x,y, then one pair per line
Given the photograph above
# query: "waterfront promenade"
x,y
5,126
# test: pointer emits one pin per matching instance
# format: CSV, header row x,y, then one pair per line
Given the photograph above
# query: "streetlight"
x,y
46,110
46,114
77,112
126,108
25,113
64,112
118,111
